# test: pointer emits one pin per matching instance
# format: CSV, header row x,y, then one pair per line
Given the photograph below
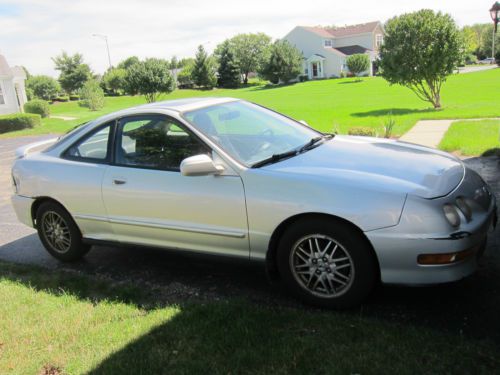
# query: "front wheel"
x,y
59,233
326,263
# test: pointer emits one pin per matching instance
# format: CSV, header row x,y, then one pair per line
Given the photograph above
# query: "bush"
x,y
37,106
362,130
42,87
18,121
497,58
92,95
303,78
470,59
358,63
61,99
74,97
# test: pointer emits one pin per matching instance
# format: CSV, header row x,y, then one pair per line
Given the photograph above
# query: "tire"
x,y
59,233
341,277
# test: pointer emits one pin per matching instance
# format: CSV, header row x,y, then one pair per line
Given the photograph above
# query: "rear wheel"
x,y
326,263
59,234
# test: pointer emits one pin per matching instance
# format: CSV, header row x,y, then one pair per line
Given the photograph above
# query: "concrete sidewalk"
x,y
427,132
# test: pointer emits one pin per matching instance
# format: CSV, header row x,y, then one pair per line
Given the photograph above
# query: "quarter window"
x,y
93,147
157,142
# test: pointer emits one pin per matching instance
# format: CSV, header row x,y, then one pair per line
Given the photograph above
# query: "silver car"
x,y
331,216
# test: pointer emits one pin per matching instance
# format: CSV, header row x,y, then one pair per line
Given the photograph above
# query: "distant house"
x,y
12,90
325,49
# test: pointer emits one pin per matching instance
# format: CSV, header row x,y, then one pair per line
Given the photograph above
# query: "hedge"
x,y
19,121
38,106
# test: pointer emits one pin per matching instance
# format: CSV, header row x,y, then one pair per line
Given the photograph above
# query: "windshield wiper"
x,y
284,155
275,157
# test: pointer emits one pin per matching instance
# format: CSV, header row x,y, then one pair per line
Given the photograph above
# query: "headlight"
x,y
464,207
451,214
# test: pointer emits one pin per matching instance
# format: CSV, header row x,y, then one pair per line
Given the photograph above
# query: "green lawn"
x,y
472,137
78,324
326,104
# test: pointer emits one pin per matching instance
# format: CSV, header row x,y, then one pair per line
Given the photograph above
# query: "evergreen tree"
x,y
203,74
229,70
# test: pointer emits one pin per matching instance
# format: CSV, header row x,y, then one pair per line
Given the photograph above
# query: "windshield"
x,y
248,132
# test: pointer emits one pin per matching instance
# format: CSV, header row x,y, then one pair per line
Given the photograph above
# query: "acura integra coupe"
x,y
330,216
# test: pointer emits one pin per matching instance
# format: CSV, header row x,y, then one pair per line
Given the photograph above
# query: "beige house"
x,y
325,49
12,90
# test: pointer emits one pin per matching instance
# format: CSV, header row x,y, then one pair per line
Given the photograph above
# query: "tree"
x,y
74,72
128,62
184,79
358,63
115,80
420,50
43,87
229,70
92,95
470,38
284,63
203,73
174,62
487,41
251,51
150,78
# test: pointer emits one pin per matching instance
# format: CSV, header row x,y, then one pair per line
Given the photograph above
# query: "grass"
x,y
329,104
472,137
78,324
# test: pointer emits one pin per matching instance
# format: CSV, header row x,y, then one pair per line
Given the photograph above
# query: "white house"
x,y
325,49
12,90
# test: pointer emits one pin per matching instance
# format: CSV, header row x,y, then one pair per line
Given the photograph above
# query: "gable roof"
x,y
339,32
351,50
361,28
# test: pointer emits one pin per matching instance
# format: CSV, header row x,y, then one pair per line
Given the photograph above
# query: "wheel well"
x,y
271,266
36,204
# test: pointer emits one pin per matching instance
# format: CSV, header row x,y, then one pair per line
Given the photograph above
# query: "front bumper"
x,y
421,231
22,207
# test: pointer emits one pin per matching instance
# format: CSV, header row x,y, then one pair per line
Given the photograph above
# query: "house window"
x,y
379,39
2,100
328,43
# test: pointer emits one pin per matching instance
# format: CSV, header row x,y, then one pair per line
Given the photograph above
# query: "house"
x,y
12,90
325,49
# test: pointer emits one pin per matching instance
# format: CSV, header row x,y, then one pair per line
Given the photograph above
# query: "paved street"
x,y
471,307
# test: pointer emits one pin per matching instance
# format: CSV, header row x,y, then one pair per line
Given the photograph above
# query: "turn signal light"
x,y
449,258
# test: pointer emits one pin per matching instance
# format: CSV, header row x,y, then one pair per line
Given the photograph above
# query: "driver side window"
x,y
155,142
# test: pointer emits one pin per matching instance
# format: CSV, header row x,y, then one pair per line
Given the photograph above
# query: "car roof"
x,y
183,105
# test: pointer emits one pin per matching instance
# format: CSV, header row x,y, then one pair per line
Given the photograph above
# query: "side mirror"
x,y
200,165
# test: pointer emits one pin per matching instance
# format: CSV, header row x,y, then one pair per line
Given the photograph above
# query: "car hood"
x,y
376,163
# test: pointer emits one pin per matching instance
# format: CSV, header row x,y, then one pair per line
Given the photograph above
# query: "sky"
x,y
33,31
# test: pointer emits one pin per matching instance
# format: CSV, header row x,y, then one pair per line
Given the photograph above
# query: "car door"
x,y
149,202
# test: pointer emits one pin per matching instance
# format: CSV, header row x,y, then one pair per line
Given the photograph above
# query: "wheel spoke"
x,y
56,232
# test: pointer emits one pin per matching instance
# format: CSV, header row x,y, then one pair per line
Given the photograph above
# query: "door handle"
x,y
117,181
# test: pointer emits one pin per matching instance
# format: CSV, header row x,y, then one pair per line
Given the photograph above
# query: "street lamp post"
x,y
105,37
495,16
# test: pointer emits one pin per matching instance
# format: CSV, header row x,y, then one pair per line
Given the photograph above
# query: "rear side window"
x,y
93,147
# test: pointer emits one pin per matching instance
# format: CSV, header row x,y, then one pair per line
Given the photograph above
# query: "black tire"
x,y
351,248
68,249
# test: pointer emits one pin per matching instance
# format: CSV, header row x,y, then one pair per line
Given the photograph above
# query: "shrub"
x,y
358,63
470,59
74,97
150,78
92,95
362,130
37,106
497,58
42,87
303,78
18,121
389,126
63,98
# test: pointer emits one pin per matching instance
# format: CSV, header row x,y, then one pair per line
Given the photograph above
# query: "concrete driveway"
x,y
471,306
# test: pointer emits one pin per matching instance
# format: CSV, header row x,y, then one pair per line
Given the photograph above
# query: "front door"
x,y
149,202
315,69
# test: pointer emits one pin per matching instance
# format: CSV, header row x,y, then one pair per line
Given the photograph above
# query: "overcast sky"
x,y
32,31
